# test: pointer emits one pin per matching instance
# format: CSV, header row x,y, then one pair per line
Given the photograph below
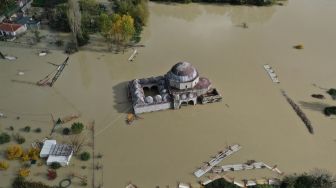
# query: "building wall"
x,y
152,108
21,30
183,85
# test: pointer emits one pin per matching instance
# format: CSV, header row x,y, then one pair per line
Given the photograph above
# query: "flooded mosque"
x,y
182,85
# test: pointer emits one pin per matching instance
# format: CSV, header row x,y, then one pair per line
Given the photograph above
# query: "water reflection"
x,y
236,14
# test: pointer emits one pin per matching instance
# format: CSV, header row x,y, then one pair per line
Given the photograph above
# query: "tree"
x,y
77,142
105,24
55,165
77,128
122,28
14,152
59,19
4,138
74,20
4,165
66,131
85,156
24,172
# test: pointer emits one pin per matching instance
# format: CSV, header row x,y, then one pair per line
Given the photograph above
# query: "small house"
x,y
12,29
54,152
28,22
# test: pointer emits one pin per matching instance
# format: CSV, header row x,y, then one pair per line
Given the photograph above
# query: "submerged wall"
x,y
152,108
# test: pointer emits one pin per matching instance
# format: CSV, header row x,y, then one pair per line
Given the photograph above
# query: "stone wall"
x,y
152,108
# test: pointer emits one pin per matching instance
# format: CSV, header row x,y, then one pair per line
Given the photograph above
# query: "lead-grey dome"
x,y
183,72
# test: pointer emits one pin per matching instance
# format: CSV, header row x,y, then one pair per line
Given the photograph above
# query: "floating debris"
x,y
318,96
271,73
299,112
10,58
43,53
299,47
130,185
69,118
20,73
135,52
131,117
184,185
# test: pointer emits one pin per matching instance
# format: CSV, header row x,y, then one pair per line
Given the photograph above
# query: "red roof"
x,y
9,27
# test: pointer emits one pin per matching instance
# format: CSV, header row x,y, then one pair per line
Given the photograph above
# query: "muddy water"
x,y
166,147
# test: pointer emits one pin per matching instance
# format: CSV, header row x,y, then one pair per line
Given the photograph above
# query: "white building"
x,y
10,29
60,153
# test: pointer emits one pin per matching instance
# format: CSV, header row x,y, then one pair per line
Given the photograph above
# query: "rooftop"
x,y
10,27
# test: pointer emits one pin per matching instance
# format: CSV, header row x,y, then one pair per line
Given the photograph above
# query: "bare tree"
x,y
74,18
77,142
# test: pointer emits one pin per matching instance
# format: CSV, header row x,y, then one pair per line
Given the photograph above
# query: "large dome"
x,y
183,72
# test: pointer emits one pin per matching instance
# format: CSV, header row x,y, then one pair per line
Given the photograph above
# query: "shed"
x,y
60,153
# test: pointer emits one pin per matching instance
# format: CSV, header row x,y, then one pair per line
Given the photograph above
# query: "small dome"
x,y
149,99
190,95
203,83
165,97
158,98
183,96
183,72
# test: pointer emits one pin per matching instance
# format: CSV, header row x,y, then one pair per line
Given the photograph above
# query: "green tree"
x,y
4,138
77,128
85,156
105,24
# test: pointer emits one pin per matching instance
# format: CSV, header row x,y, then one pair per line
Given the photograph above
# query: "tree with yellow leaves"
x,y
33,153
14,152
25,157
4,165
117,29
122,28
24,172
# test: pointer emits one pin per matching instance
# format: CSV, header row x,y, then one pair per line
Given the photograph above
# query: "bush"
x,y
83,39
4,165
332,93
14,152
71,48
26,129
77,128
38,130
4,138
85,156
66,131
55,165
19,139
330,110
20,182
11,128
52,174
59,43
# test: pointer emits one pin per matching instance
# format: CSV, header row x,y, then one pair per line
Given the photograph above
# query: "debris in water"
x,y
318,96
131,117
299,46
299,112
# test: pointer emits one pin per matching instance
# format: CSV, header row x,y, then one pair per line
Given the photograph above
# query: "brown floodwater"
x,y
166,147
